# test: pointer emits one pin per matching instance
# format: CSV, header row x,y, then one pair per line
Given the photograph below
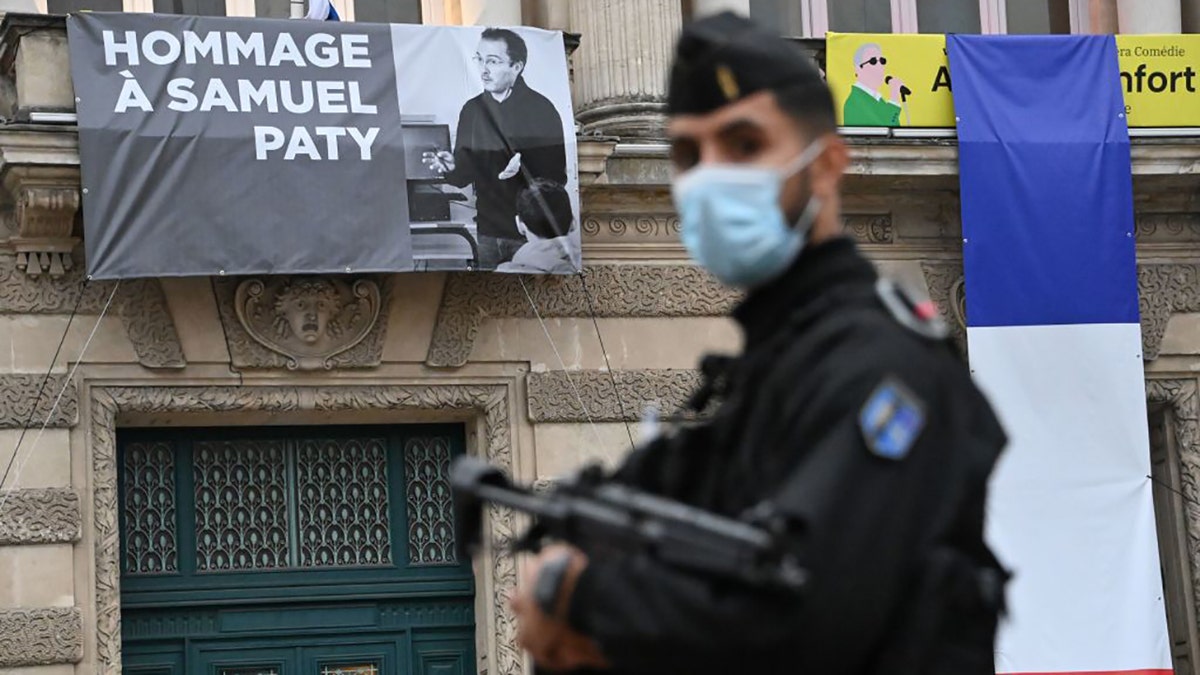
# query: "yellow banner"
x,y
903,80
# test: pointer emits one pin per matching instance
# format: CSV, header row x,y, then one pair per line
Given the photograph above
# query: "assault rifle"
x,y
601,517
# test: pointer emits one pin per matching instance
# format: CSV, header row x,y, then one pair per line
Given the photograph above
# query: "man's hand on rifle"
x,y
552,643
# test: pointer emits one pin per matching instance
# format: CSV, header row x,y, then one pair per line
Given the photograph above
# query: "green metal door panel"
x,y
444,657
360,658
153,660
292,551
226,658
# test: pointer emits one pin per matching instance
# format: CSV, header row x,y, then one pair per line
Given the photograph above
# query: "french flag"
x,y
322,10
1054,340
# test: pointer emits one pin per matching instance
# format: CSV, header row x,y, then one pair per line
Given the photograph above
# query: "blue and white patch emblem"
x,y
891,420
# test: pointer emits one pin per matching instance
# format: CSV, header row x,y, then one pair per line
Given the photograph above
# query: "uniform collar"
x,y
819,270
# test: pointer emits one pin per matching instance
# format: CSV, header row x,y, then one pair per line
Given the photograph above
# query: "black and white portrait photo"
x,y
490,150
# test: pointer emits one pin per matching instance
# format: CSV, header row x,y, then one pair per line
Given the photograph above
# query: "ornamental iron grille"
x,y
342,490
241,505
150,546
226,503
430,507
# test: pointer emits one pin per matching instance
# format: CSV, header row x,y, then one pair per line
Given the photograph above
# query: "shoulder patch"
x,y
891,420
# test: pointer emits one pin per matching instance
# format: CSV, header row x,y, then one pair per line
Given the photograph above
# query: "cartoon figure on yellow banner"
x,y
865,106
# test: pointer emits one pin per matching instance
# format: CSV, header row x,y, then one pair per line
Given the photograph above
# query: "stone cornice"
x,y
611,291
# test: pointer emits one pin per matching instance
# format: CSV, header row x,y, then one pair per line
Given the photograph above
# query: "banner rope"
x,y
42,388
561,362
58,399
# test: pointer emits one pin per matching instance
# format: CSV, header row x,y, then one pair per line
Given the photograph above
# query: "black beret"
x,y
722,58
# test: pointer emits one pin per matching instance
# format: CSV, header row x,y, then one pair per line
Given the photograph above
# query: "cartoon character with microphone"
x,y
866,106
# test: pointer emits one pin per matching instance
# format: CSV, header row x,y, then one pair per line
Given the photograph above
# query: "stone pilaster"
x,y
616,95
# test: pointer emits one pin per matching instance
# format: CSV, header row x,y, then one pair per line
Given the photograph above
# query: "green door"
x,y
292,551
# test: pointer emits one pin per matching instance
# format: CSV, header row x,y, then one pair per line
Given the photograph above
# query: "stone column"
x,y
1149,16
1102,16
621,64
491,12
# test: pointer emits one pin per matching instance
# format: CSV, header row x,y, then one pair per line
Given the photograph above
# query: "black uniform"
x,y
870,442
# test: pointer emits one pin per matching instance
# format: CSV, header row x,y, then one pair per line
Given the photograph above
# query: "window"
x,y
273,9
948,16
197,7
787,15
67,6
387,11
860,16
1038,16
812,18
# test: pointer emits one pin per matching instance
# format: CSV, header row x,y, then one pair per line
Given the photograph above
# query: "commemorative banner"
x,y
903,80
223,146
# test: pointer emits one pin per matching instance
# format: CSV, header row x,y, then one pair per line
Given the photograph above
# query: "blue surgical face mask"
x,y
732,223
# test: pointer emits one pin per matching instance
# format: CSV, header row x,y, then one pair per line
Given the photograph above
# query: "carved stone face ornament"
x,y
307,319
306,308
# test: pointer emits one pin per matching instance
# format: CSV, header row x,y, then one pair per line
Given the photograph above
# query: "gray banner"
x,y
238,146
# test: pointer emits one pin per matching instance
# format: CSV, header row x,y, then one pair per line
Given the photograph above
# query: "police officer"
x,y
848,423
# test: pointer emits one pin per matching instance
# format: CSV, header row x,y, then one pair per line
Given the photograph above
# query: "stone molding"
x,y
149,325
140,303
40,637
248,329
18,393
1180,396
1164,290
488,402
39,516
947,289
46,200
1166,228
663,228
604,396
612,291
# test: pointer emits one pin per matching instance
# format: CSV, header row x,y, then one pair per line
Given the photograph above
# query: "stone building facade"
x,y
537,374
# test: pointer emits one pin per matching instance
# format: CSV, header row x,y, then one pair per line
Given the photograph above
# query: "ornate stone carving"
x,y
140,303
1162,291
612,290
1168,227
149,325
491,403
948,291
40,637
632,227
20,294
18,393
869,228
1180,396
46,203
601,396
39,516
303,322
